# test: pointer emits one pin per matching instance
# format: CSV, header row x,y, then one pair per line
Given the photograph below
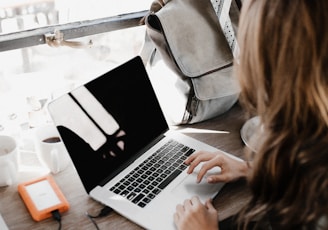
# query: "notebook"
x,y
123,150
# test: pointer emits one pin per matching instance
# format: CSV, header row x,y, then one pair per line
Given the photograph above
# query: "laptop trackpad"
x,y
188,187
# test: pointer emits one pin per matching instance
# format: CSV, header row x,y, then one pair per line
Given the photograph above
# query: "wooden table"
x,y
222,132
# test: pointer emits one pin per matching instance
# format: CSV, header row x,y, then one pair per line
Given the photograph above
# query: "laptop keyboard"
x,y
148,179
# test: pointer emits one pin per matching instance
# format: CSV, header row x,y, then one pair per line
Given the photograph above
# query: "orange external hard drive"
x,y
42,196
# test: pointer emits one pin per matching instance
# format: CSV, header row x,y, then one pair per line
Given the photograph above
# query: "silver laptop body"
x,y
113,124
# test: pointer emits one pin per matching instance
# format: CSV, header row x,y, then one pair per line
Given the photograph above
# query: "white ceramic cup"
x,y
50,149
8,160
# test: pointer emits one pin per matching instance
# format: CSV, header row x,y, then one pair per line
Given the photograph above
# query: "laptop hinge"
x,y
136,156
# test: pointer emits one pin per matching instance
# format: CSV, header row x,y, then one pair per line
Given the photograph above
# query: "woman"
x,y
283,74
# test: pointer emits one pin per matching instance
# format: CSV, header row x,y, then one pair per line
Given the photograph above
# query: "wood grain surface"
x,y
222,132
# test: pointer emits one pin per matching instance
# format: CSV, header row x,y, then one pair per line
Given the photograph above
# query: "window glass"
x,y
32,77
17,15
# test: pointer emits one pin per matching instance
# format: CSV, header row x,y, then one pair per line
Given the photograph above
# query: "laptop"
x,y
123,150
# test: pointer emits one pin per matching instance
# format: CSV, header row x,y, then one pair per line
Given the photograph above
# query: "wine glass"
x,y
251,132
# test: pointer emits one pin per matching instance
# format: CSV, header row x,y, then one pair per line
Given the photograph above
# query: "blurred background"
x,y
31,77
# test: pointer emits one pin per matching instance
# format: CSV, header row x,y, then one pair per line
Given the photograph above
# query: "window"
x,y
32,73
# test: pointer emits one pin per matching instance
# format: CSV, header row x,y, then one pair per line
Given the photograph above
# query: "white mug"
x,y
51,150
8,160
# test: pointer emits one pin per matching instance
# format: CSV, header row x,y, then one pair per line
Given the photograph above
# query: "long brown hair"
x,y
283,75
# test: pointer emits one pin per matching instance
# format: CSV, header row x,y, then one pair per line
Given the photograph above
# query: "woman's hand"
x,y
192,214
231,168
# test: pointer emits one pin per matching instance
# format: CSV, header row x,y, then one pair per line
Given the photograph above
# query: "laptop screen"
x,y
107,121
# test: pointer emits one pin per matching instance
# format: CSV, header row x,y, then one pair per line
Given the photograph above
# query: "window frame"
x,y
34,37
